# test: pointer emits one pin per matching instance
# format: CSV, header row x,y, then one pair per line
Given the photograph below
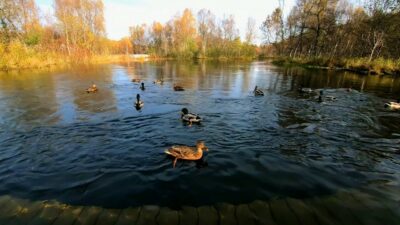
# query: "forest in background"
x,y
330,33
337,33
76,32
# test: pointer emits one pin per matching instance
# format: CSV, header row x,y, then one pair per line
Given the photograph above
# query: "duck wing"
x,y
181,151
191,117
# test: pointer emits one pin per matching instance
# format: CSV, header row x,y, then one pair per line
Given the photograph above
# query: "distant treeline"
x,y
76,31
187,36
335,29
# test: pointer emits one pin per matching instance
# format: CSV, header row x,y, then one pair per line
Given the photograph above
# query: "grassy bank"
x,y
359,65
19,57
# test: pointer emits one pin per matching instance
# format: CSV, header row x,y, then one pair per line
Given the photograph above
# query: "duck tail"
x,y
168,152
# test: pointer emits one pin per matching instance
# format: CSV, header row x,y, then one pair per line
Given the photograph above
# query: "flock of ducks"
x,y
196,152
176,151
321,97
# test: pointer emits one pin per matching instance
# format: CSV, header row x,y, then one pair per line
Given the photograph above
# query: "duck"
x,y
138,104
258,92
393,105
178,88
328,97
305,90
92,89
187,152
136,80
142,86
160,82
189,117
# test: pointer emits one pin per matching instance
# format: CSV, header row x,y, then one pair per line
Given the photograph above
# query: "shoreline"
x,y
62,61
355,65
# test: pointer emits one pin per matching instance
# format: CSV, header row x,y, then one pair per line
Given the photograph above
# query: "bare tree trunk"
x,y
378,41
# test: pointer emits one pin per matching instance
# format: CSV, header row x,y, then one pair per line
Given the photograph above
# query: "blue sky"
x,y
120,14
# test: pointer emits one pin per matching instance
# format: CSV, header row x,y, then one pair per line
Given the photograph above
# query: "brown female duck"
x,y
92,89
178,88
186,152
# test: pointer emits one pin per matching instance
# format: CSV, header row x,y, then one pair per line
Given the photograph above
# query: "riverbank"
x,y
378,66
29,59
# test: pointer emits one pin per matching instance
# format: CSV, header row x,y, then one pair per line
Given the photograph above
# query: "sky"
x,y
121,14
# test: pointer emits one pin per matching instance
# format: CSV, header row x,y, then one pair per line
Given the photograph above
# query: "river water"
x,y
58,142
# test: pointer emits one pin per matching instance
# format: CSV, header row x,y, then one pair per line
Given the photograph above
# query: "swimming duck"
x,y
92,89
160,82
142,86
186,152
178,88
258,92
138,104
189,117
136,80
328,97
393,105
305,90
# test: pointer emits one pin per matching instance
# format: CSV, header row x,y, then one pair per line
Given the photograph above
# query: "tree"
x,y
251,30
206,27
184,34
19,19
138,38
82,23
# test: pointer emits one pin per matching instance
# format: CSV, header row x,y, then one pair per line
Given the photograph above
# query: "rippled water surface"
x,y
58,142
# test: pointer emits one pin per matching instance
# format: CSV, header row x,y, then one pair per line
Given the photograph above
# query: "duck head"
x,y
201,146
142,85
138,97
185,111
321,92
94,86
256,88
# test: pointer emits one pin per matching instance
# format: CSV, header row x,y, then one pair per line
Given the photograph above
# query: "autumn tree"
x,y
82,24
184,34
19,19
138,38
206,28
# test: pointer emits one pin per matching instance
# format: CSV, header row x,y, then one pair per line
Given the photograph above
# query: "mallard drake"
x,y
136,80
189,117
160,82
138,104
142,86
178,88
258,92
187,152
393,105
92,89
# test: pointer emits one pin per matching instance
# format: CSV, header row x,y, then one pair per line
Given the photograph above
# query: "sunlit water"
x,y
58,142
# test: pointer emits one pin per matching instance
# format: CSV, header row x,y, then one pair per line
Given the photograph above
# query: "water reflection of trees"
x,y
28,97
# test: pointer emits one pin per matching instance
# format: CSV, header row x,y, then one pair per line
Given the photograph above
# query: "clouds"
x,y
120,14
